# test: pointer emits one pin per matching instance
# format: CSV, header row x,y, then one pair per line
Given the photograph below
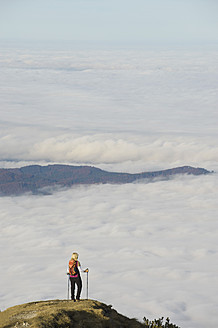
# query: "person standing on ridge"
x,y
75,278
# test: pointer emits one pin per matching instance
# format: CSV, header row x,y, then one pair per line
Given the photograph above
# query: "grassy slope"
x,y
65,314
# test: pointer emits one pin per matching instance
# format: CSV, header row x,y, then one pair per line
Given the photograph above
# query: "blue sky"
x,y
110,21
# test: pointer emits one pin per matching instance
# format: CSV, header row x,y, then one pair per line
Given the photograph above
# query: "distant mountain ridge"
x,y
32,178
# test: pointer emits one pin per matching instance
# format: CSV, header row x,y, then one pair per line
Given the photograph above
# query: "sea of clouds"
x,y
151,247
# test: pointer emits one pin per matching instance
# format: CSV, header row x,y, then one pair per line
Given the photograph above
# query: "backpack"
x,y
73,268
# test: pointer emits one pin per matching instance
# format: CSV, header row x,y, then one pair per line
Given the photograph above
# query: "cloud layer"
x,y
113,152
118,109
143,106
151,248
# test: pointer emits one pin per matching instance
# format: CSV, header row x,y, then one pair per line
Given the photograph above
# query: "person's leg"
x,y
79,287
72,280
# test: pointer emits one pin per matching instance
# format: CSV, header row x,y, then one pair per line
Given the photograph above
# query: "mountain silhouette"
x,y
34,178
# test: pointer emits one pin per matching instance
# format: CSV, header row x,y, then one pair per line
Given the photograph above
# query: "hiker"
x,y
75,278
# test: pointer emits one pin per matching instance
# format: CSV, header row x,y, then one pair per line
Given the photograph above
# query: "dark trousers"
x,y
76,281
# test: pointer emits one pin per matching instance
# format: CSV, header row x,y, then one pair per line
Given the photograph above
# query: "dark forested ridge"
x,y
35,177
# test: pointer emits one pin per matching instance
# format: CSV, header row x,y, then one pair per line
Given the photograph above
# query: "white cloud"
x,y
137,109
151,245
113,152
121,110
100,149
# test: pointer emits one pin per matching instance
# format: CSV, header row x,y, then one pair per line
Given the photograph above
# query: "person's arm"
x,y
80,268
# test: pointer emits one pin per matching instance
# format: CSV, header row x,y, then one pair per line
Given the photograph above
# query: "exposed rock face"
x,y
35,177
65,314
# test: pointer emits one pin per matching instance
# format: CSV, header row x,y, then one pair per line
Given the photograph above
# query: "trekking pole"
x,y
87,283
68,286
87,291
